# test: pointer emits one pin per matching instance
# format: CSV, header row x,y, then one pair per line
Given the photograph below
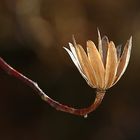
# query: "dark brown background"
x,y
32,36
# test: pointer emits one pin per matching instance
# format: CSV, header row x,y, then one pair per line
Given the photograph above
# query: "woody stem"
x,y
58,106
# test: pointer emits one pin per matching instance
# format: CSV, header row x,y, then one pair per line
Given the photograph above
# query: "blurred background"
x,y
32,36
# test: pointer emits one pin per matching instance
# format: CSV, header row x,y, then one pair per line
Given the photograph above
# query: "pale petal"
x,y
74,41
105,41
72,48
84,62
96,63
72,57
124,60
105,44
100,48
111,65
76,62
119,47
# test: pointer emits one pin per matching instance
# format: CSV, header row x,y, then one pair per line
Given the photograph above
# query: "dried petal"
x,y
119,48
76,62
111,65
72,48
74,41
105,44
124,60
96,63
100,48
84,62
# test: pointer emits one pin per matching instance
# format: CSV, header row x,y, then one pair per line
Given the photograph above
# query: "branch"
x,y
58,106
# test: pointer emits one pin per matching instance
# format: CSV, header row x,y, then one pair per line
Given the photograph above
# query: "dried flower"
x,y
102,67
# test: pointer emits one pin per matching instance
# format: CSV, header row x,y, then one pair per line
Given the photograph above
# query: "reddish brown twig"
x,y
81,112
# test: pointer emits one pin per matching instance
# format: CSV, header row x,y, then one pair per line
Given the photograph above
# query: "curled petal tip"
x,y
74,41
99,36
130,40
98,31
64,48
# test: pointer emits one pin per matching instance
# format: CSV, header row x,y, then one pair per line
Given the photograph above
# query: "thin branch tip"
x,y
58,106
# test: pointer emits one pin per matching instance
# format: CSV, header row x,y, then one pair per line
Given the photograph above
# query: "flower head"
x,y
102,67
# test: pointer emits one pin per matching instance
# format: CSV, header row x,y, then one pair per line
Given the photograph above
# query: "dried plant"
x,y
101,68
